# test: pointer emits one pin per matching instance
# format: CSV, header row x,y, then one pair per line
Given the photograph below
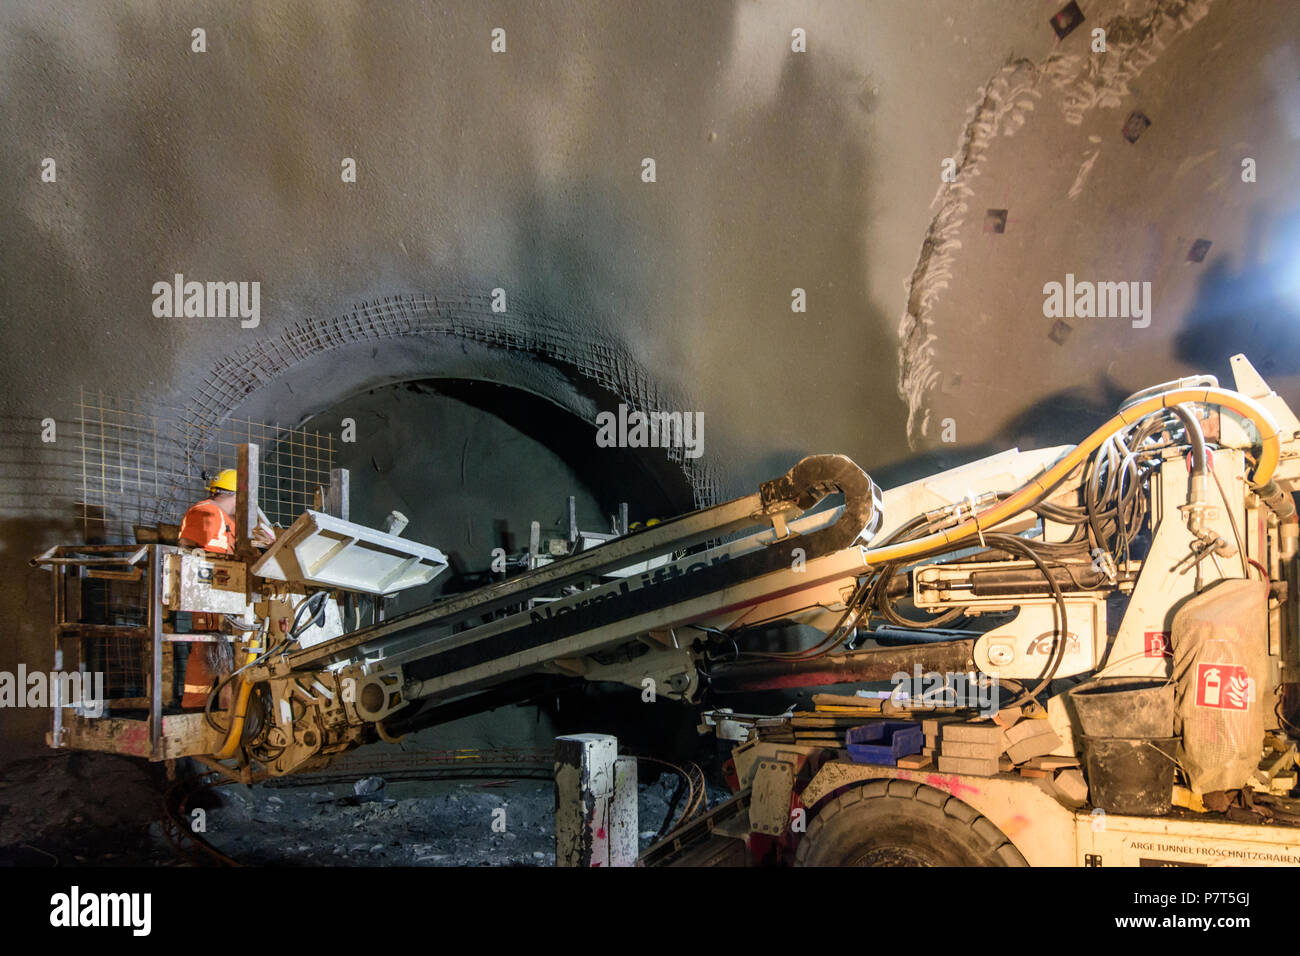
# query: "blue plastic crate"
x,y
884,742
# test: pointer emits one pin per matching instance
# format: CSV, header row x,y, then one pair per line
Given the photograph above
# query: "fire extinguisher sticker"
x,y
1156,644
1223,686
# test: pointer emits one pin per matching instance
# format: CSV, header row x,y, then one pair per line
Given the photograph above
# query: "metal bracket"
x,y
769,810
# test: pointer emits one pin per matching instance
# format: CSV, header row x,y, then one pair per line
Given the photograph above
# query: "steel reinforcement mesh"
x,y
122,660
143,463
609,366
147,463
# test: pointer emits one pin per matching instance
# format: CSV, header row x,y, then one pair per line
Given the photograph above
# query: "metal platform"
x,y
325,551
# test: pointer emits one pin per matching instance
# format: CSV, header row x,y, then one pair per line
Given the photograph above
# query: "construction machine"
x,y
1077,655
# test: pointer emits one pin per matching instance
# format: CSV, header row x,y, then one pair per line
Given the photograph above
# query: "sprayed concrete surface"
x,y
1218,82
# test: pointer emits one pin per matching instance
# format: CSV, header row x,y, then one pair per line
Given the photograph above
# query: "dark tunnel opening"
x,y
472,463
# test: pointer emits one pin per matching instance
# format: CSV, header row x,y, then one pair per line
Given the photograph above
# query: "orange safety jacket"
x,y
211,527
199,677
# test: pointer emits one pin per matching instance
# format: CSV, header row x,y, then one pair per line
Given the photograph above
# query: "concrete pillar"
x,y
595,802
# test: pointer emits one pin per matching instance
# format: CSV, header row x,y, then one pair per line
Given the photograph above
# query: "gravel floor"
x,y
479,823
74,809
82,809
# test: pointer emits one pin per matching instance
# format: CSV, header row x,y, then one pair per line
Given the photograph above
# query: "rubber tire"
x,y
900,823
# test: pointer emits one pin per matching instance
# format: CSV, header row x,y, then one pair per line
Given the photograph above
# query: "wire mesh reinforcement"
x,y
146,464
609,366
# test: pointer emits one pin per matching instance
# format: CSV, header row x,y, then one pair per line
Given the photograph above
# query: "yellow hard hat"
x,y
225,481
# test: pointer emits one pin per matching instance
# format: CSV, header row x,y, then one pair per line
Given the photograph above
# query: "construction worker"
x,y
210,524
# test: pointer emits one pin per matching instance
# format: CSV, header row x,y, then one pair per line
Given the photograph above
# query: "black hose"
x,y
316,604
1012,542
1194,435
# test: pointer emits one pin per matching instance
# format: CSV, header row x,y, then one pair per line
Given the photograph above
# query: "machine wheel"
x,y
899,823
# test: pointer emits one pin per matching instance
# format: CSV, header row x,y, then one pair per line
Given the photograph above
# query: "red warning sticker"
x,y
1157,644
1224,686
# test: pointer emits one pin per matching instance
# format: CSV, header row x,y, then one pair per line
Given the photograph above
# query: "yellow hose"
x,y
1030,492
241,709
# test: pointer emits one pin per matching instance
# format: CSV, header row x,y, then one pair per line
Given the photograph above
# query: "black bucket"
x,y
1131,775
1125,707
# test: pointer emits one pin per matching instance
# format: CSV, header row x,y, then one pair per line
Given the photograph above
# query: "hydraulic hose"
x,y
315,603
231,745
1195,437
1030,493
1197,497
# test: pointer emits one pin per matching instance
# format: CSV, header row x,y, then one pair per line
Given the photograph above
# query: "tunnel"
x,y
927,248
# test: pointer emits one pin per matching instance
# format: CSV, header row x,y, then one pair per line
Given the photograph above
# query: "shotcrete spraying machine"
x,y
1078,655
